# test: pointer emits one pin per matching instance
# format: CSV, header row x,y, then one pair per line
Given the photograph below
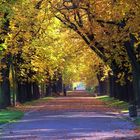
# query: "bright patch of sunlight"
x,y
79,86
7,116
124,111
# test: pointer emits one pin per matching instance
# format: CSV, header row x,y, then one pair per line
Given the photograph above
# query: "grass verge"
x,y
121,105
137,121
12,114
8,115
117,104
41,100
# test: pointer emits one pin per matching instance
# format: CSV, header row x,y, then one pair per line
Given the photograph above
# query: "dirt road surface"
x,y
75,117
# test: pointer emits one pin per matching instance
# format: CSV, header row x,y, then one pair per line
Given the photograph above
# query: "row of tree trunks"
x,y
121,92
116,90
54,87
27,91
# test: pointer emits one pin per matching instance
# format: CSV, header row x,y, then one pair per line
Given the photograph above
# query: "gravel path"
x,y
82,118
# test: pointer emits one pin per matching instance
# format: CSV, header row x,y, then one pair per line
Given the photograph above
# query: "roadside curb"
x,y
2,126
125,116
29,112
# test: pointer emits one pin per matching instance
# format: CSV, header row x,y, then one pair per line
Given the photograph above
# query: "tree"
x,y
5,15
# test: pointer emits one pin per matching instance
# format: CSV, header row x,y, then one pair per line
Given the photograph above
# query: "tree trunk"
x,y
54,88
5,84
129,46
111,85
64,90
14,88
36,93
103,87
60,84
29,91
21,92
43,89
136,86
5,91
130,89
48,89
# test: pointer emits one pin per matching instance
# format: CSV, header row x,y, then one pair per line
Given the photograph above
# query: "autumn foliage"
x,y
46,43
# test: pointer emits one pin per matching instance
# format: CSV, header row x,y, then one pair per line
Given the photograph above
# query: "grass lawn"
x,y
8,115
111,102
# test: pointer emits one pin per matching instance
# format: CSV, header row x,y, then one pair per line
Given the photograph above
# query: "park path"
x,y
76,117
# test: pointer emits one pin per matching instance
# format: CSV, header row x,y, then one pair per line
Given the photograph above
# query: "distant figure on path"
x,y
64,90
